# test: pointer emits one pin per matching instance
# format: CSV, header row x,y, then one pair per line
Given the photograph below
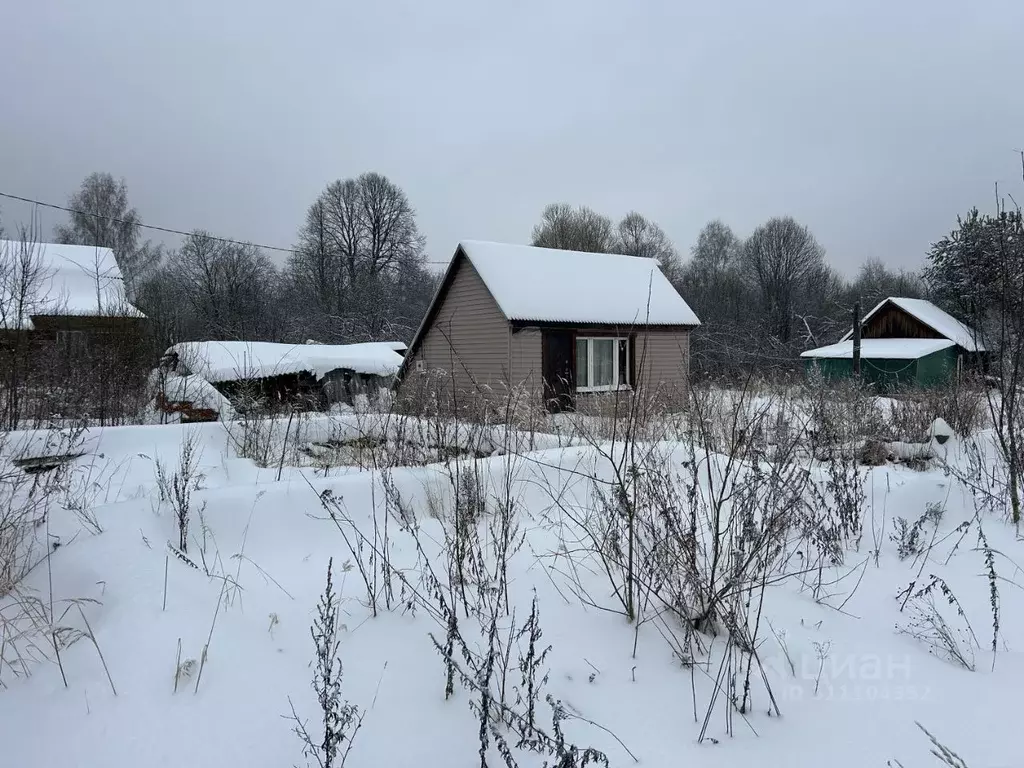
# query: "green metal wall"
x,y
937,368
829,367
889,375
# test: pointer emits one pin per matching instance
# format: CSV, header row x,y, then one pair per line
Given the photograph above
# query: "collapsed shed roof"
x,y
218,361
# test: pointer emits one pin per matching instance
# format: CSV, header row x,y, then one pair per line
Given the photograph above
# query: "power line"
x,y
138,224
168,230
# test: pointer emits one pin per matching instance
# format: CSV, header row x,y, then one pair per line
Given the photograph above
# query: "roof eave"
x,y
549,323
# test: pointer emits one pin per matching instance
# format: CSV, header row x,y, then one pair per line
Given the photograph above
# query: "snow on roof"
x,y
233,360
882,349
61,280
191,389
551,285
936,319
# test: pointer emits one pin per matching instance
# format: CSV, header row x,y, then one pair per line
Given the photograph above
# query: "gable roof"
x,y
64,280
543,285
881,349
938,320
555,286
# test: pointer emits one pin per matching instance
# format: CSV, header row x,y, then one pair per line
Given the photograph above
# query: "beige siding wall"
x,y
665,356
470,343
469,339
526,362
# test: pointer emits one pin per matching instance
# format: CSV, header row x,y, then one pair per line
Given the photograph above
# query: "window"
x,y
602,364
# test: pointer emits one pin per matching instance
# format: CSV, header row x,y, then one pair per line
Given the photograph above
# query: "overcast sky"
x,y
874,123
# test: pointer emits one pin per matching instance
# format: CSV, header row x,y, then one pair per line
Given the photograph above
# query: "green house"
x,y
889,364
905,343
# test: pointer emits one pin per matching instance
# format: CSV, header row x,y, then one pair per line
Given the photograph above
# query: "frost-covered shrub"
x,y
926,624
840,413
909,537
960,404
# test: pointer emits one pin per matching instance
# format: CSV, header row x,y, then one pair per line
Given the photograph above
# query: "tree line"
x,y
761,299
358,271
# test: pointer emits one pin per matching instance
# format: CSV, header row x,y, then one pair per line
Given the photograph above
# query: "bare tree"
x,y
316,267
168,308
583,229
785,263
822,311
713,284
639,236
359,253
575,229
22,278
102,217
713,279
717,249
228,286
875,281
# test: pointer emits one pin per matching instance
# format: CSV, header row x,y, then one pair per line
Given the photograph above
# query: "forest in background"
x,y
358,270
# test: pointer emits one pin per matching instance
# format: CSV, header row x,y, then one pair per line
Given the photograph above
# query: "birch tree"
x,y
102,217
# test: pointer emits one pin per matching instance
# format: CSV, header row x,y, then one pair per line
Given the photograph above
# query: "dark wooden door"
x,y
558,369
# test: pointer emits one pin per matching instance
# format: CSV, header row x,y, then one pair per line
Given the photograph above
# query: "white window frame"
x,y
616,343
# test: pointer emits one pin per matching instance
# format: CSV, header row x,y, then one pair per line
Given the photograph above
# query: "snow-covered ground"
x,y
848,684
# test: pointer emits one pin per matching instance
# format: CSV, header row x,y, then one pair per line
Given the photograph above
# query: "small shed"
x,y
306,376
888,364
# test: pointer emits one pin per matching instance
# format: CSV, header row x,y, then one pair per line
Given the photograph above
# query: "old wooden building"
x,y
266,377
71,343
64,293
905,342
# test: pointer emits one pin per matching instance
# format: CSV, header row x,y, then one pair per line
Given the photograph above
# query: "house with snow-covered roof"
x,y
559,326
63,292
904,342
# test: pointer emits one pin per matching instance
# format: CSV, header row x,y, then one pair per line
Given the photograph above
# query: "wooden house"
x,y
556,326
904,343
67,294
71,344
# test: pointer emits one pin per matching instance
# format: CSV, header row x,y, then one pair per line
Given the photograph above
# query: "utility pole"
x,y
856,338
